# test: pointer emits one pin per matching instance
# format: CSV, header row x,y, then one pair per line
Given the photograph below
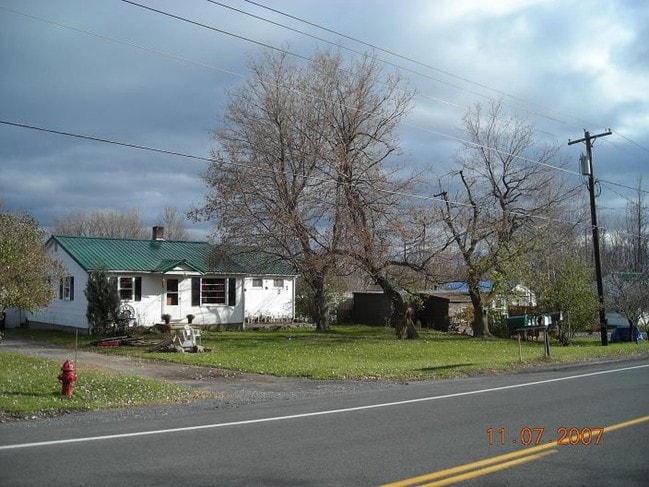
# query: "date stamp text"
x,y
534,436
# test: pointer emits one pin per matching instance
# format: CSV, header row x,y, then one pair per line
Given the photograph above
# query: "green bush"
x,y
103,302
498,324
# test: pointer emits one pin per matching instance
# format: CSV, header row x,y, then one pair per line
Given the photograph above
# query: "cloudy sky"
x,y
116,71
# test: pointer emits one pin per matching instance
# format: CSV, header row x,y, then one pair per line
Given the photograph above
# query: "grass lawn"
x,y
360,352
354,352
29,386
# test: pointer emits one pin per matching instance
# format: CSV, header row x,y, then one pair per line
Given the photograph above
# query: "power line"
x,y
105,141
628,200
314,178
284,51
162,53
631,141
473,144
321,39
210,27
434,68
619,185
125,43
186,60
412,60
207,159
189,156
388,63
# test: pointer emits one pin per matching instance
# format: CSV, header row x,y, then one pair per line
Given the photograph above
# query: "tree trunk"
x,y
403,327
480,323
318,303
411,330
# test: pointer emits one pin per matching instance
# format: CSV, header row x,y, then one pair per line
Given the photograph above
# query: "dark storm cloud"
x,y
564,72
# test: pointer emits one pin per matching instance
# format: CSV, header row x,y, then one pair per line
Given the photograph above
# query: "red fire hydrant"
x,y
67,378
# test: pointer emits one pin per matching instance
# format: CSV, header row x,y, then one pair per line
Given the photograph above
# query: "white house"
x,y
216,284
517,295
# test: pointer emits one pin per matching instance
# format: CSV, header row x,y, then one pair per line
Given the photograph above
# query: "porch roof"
x,y
163,255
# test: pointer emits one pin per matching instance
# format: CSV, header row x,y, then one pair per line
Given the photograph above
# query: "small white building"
x,y
215,284
517,295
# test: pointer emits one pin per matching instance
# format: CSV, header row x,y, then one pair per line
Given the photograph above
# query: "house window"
x,y
278,282
129,288
257,283
172,292
213,291
66,288
209,291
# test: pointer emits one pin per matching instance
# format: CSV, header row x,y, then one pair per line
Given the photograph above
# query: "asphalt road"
x,y
369,437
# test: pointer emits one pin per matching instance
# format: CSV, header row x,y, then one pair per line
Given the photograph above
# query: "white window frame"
x,y
257,282
67,288
132,288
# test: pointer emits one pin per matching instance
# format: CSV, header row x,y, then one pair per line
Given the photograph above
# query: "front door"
x,y
172,300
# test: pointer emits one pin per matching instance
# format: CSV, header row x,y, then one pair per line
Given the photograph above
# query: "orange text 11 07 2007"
x,y
534,436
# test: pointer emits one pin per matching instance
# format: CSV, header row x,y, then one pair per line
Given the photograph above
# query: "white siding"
x,y
214,313
63,312
148,309
154,302
269,302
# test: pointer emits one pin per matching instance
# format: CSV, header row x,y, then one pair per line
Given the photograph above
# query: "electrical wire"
x,y
162,53
242,76
441,134
210,27
314,178
125,43
432,131
434,68
326,41
414,61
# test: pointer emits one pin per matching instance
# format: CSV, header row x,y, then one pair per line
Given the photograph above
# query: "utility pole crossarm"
x,y
587,137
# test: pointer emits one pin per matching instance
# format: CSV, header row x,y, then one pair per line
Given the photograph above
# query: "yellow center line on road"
x,y
494,464
484,471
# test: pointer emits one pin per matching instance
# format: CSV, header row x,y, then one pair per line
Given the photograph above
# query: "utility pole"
x,y
587,170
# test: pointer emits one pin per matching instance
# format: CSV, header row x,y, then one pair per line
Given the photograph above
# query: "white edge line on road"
x,y
317,413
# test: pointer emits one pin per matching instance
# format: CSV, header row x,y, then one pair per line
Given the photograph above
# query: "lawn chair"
x,y
190,337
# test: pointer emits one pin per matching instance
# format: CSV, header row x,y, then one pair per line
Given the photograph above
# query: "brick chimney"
x,y
158,233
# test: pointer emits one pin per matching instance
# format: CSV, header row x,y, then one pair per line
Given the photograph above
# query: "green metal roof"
x,y
118,254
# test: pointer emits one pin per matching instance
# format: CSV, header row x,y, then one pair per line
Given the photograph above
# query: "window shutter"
x,y
61,288
232,291
138,289
196,291
71,288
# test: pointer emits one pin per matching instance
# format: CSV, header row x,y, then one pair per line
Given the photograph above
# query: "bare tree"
x,y
173,223
504,184
627,293
111,224
267,186
626,258
74,223
299,153
368,206
628,249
